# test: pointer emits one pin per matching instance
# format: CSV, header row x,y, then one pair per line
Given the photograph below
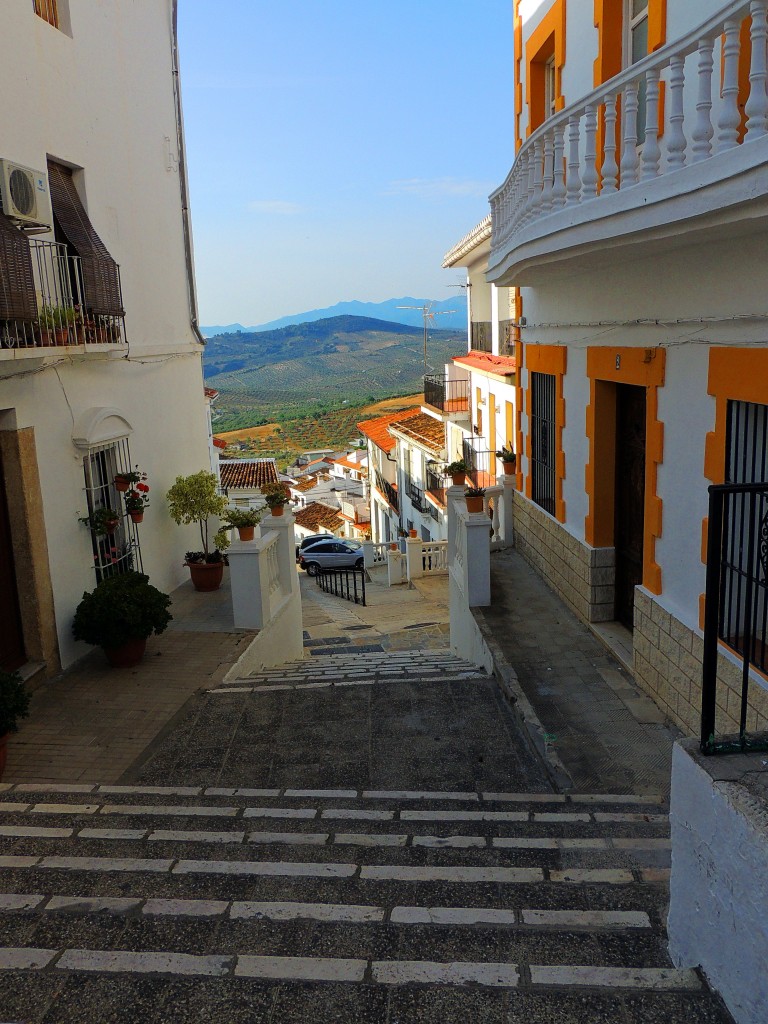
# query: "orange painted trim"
x,y
546,40
738,375
609,22
552,359
642,367
517,38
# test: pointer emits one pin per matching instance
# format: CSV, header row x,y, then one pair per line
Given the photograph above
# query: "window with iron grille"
x,y
543,440
744,578
119,551
48,10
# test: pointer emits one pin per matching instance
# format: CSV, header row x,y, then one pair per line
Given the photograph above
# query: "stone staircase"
x,y
278,904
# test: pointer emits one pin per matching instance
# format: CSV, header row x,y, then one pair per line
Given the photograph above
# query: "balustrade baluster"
x,y
558,185
589,177
756,107
651,152
676,141
629,132
702,129
730,116
610,170
573,184
531,186
546,190
538,180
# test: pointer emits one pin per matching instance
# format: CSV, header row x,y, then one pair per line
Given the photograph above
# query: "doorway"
x,y
12,652
629,497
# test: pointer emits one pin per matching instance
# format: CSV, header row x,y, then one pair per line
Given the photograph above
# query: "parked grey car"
x,y
312,538
332,554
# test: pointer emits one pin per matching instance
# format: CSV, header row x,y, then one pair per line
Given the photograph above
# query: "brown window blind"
x,y
101,279
17,285
48,11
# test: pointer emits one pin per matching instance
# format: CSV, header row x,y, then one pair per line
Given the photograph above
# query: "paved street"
x,y
363,836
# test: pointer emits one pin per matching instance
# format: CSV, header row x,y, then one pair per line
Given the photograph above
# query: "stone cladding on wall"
x,y
668,664
581,575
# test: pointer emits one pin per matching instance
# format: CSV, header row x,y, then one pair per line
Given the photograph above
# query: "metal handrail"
x,y
348,584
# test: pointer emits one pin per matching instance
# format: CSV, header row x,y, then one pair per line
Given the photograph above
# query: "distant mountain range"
x,y
453,314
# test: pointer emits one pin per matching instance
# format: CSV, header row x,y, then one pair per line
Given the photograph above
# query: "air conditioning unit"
x,y
24,195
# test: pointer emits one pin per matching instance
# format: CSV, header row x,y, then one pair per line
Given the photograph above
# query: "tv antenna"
x,y
426,312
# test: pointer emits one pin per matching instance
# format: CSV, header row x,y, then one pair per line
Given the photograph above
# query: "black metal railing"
x,y
736,609
436,484
477,456
416,495
543,435
449,396
482,337
346,583
389,492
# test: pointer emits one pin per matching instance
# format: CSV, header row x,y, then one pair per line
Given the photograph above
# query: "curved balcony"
x,y
592,182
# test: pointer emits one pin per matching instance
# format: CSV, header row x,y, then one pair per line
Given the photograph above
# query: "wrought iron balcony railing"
x,y
416,495
389,492
479,460
64,315
450,396
436,485
627,133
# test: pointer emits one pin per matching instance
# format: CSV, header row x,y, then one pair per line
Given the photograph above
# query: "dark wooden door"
x,y
12,653
630,497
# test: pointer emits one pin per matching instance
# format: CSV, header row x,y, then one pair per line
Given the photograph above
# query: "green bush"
x,y
194,499
14,701
121,608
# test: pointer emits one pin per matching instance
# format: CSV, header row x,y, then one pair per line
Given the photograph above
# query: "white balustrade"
x,y
560,166
396,567
374,553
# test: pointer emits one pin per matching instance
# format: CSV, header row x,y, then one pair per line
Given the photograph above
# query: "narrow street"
x,y
363,836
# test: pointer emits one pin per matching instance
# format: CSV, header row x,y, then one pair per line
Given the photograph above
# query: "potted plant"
x,y
508,459
244,520
137,499
275,495
194,499
119,615
458,471
474,498
102,521
14,704
124,480
56,321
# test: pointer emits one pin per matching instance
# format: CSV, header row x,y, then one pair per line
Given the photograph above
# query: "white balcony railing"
x,y
64,318
593,149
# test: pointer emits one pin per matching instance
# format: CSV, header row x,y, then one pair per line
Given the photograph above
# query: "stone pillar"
x,y
477,564
414,559
509,482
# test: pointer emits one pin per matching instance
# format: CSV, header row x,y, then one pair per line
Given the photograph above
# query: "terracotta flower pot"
x,y
393,545
509,468
474,504
121,483
458,479
127,654
111,526
246,532
137,517
277,510
413,534
206,576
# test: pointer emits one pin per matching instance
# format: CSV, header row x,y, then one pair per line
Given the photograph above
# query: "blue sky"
x,y
336,150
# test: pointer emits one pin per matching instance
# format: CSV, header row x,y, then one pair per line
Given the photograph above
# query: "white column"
x,y
250,584
477,564
414,558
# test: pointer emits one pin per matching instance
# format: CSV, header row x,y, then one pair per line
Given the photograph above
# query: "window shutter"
x,y
17,284
101,277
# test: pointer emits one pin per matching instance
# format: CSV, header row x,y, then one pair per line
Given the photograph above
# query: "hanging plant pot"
x,y
127,654
121,483
474,503
206,576
111,526
136,517
246,532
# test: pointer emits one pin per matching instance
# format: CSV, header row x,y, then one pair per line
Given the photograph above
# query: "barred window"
x,y
119,551
543,440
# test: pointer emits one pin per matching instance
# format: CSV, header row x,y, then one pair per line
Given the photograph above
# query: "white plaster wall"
x,y
85,99
719,884
575,441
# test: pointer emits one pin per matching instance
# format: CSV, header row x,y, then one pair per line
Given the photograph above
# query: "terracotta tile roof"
x,y
349,463
425,430
378,430
305,484
317,516
219,442
502,366
247,473
210,393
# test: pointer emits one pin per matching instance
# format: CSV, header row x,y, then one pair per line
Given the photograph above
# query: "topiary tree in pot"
x,y
194,499
119,615
14,704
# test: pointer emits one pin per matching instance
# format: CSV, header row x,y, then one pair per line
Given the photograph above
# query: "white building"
x,y
91,130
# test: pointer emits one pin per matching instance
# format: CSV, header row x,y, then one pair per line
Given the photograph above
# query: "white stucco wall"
x,y
86,100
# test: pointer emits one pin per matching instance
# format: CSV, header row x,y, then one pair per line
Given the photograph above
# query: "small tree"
x,y
193,499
